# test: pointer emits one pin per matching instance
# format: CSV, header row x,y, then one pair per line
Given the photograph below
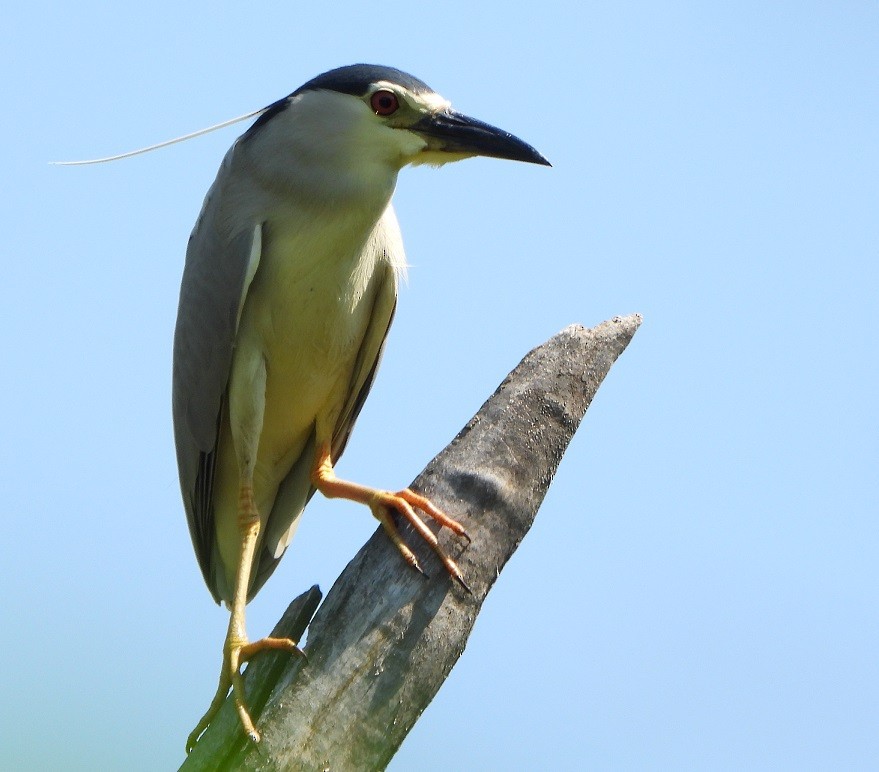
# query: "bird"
x,y
288,290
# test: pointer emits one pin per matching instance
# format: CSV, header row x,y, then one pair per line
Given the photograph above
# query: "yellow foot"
x,y
235,654
406,502
381,503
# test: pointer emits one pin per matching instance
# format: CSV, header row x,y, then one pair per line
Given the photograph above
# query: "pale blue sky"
x,y
699,590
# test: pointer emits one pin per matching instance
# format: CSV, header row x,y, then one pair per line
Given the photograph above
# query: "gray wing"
x,y
296,490
368,358
220,262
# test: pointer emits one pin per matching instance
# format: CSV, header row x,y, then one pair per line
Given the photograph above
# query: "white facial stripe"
x,y
435,102
430,101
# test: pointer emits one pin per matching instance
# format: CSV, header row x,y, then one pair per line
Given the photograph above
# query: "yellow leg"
x,y
381,503
237,649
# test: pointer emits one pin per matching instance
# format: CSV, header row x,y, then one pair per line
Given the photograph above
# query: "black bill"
x,y
452,132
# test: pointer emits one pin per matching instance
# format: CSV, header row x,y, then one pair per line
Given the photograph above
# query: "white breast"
x,y
305,315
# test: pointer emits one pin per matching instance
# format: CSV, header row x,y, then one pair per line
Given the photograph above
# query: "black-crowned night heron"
x,y
289,289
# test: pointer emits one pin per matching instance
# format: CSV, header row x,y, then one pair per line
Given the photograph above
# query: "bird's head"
x,y
365,120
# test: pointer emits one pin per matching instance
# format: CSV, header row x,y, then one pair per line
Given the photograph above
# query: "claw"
x,y
236,648
406,502
234,656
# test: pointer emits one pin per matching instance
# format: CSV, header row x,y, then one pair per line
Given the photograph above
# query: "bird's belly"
x,y
303,323
307,319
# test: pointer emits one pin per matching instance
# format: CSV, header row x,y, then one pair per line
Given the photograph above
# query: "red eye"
x,y
384,102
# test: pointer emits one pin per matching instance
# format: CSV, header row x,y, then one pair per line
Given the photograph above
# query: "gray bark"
x,y
386,637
